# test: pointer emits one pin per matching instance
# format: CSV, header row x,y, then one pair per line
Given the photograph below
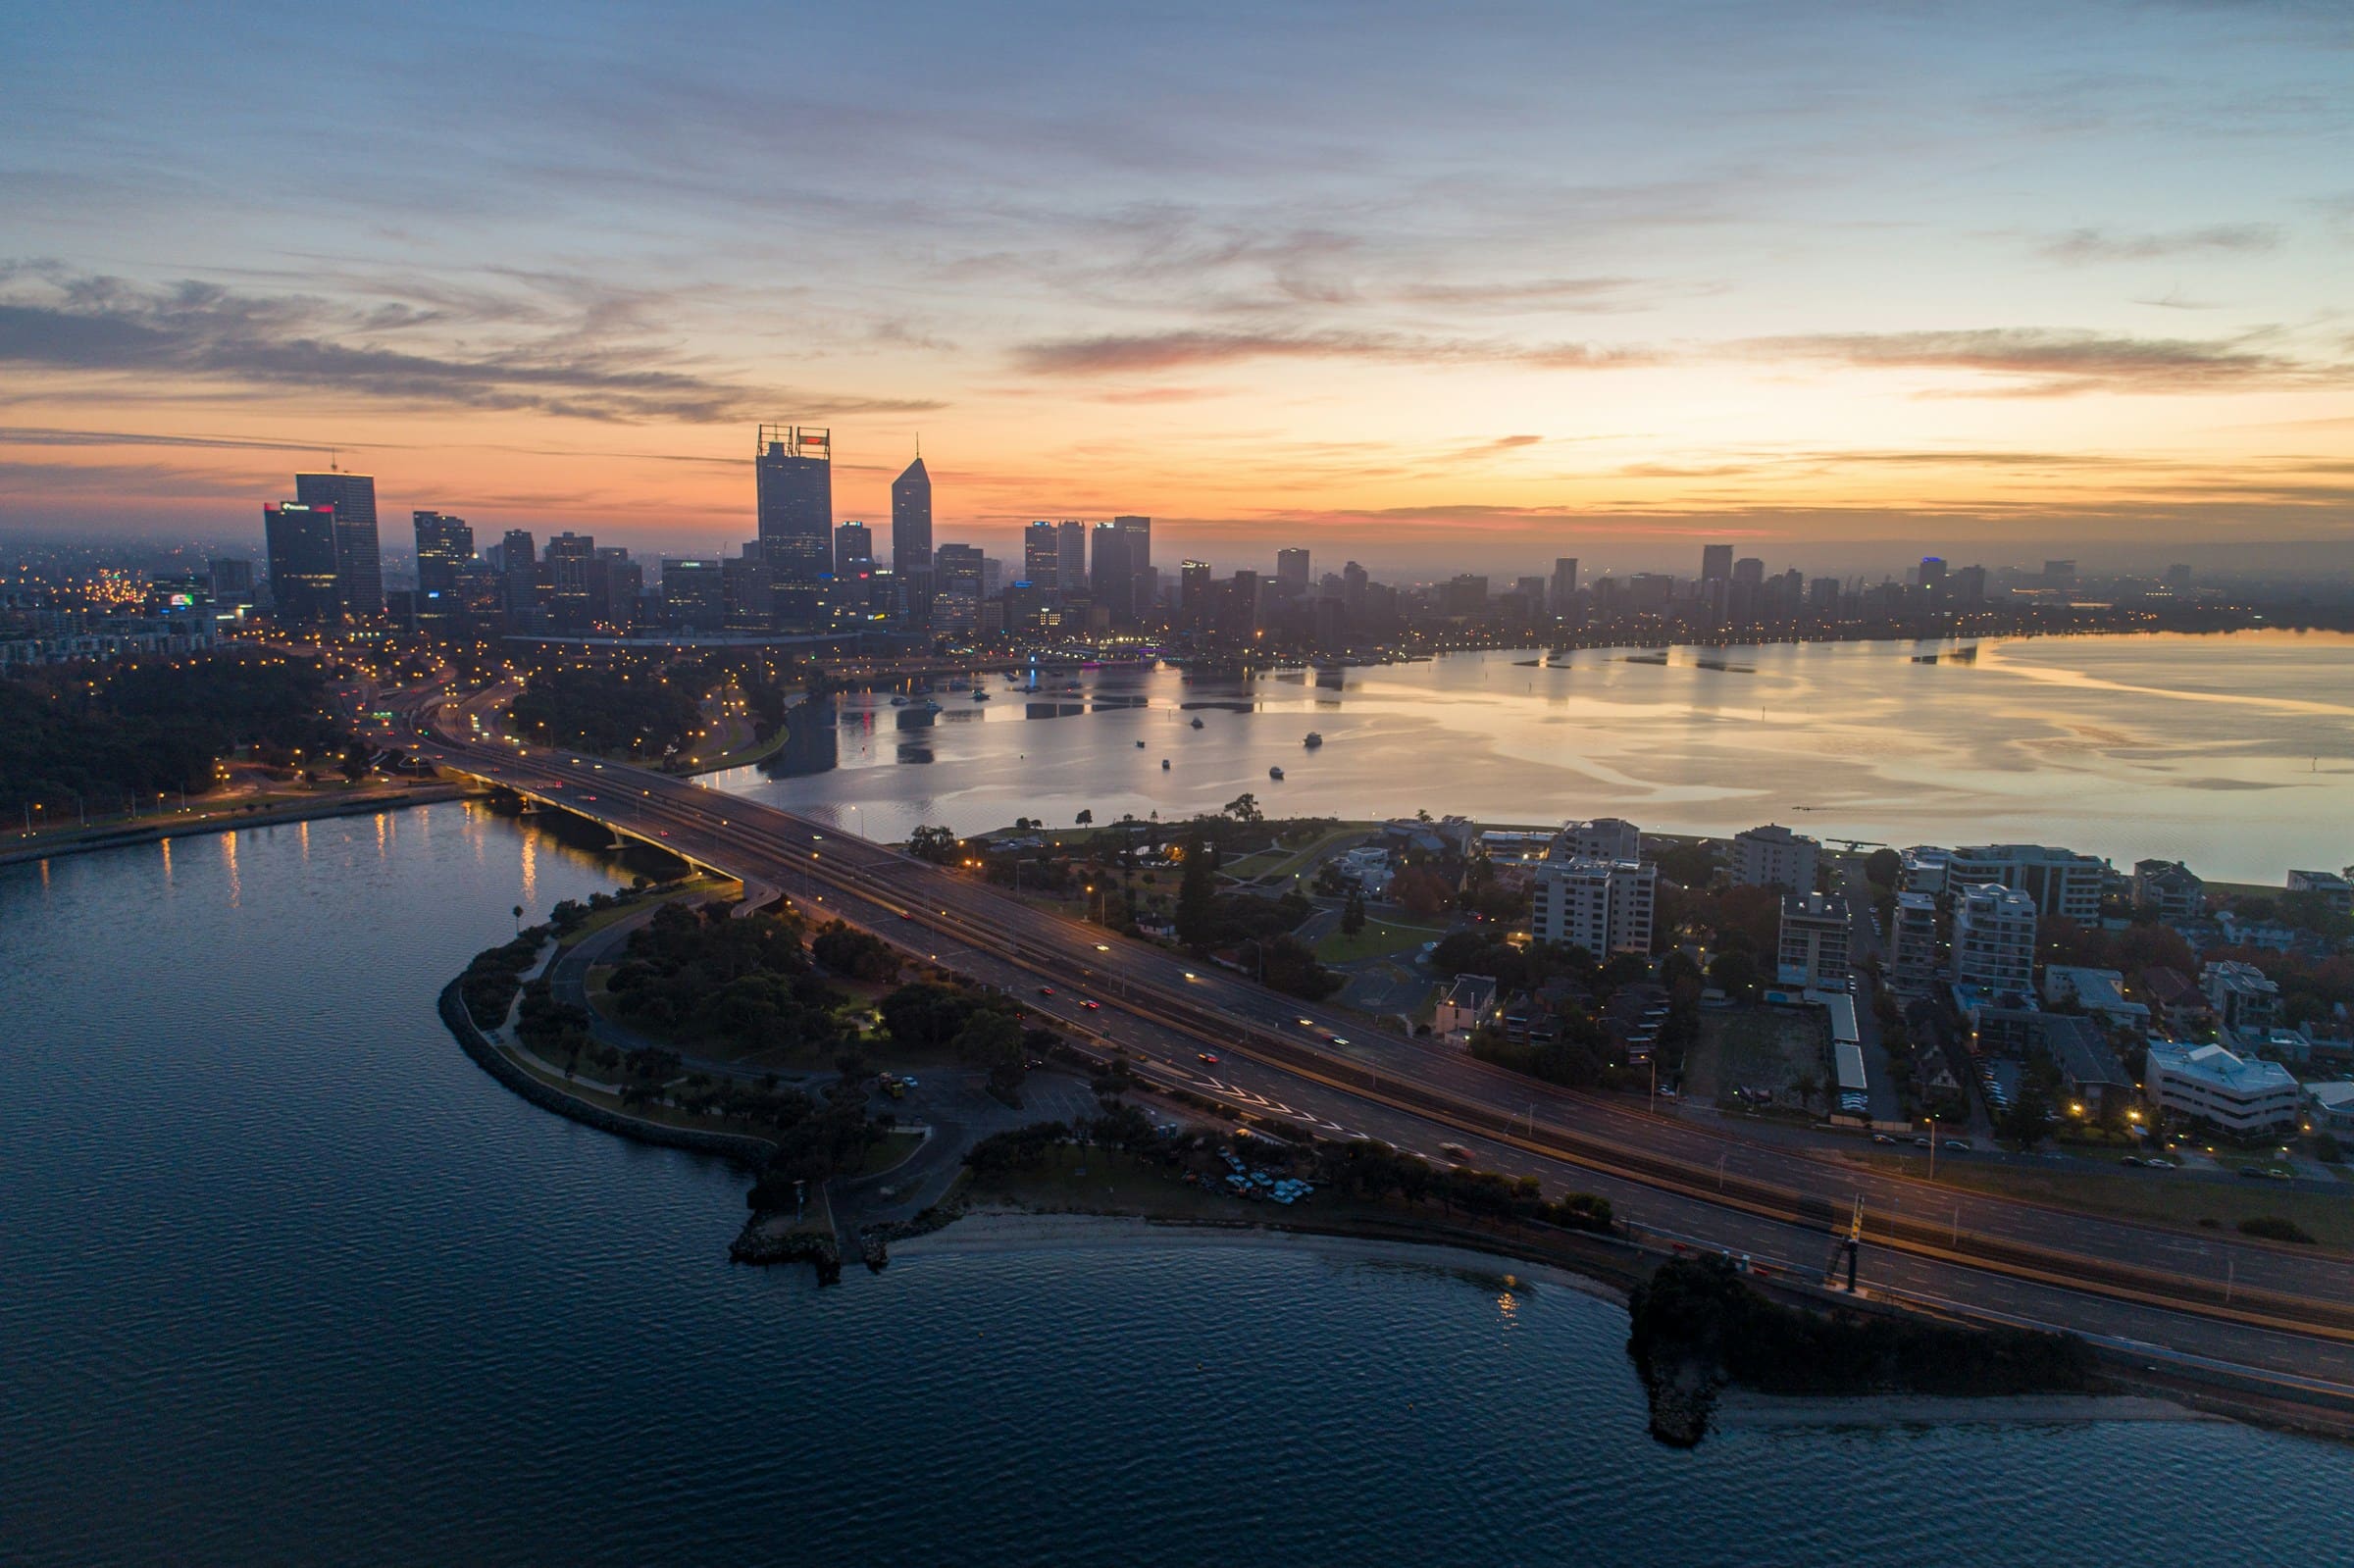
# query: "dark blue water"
x,y
284,1277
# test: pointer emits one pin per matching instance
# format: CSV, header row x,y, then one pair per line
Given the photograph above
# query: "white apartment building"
x,y
2245,1002
1912,960
1773,856
2335,890
2211,1084
1925,870
1603,839
2060,881
1816,930
1604,906
1994,938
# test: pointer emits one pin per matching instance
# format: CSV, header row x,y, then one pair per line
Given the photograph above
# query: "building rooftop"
x,y
2214,1065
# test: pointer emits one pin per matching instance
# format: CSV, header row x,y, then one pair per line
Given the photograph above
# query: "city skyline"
x,y
1990,282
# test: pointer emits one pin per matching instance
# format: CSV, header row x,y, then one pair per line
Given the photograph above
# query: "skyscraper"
x,y
1143,582
1194,593
1291,570
519,563
853,549
1070,556
443,544
567,561
911,537
1109,582
359,558
1042,557
794,469
301,543
1564,585
1715,563
957,585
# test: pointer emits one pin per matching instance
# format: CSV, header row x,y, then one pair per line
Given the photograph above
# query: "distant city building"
x,y
300,541
444,544
1601,839
1070,556
1604,906
1292,570
1565,585
567,562
1715,563
2210,1083
2168,890
853,549
2062,884
1994,938
519,567
794,469
693,594
359,557
2337,892
1816,932
956,588
1042,557
1773,856
1913,959
232,580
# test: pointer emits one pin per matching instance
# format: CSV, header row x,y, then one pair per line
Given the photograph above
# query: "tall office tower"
x,y
1143,582
232,580
1194,593
747,589
2177,576
443,544
1564,585
1042,557
853,549
359,559
1715,563
956,571
1291,570
567,560
1070,556
911,538
1970,586
992,578
1355,580
1109,582
301,543
2058,574
794,471
519,563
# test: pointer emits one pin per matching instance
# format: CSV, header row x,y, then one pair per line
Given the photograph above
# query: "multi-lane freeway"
x,y
2290,1313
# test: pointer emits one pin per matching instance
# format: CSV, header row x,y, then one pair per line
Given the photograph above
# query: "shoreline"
x,y
303,811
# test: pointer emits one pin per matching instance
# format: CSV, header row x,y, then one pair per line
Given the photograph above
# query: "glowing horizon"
x,y
1562,280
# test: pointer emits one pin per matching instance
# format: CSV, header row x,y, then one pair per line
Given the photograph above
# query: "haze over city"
x,y
1427,290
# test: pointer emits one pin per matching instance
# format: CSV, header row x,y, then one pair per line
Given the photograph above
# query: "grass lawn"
x,y
619,912
1251,866
1752,1047
2168,1197
750,752
1378,940
1113,1181
1298,859
886,1151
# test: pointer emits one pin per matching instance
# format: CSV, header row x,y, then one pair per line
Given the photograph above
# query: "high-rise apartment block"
x,y
1912,960
1603,906
2062,884
1773,856
1816,932
1994,938
1602,838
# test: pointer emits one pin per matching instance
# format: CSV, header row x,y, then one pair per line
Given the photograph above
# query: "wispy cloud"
x,y
1116,353
203,332
2051,362
2110,244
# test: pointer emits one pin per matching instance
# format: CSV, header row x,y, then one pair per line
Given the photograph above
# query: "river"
x,y
288,1279
2234,753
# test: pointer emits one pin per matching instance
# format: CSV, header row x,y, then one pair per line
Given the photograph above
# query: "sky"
x,y
1433,287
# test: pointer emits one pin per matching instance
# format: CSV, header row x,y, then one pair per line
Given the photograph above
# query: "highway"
x,y
2245,1303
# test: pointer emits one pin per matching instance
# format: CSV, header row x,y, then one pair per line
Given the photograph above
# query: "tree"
x,y
939,846
1421,893
1085,818
2025,1120
1883,867
1735,972
1198,893
1352,913
1244,808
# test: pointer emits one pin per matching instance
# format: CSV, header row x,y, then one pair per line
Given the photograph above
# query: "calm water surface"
x,y
284,1277
2235,753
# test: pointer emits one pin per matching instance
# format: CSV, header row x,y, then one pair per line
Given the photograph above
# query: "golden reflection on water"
x,y
229,860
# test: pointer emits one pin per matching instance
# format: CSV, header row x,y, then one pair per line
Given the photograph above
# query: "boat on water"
x,y
1139,745
925,706
1197,723
1164,765
978,695
1313,740
898,702
1275,773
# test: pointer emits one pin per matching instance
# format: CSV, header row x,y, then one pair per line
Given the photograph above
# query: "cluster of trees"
x,y
854,954
617,710
822,1142
1366,1169
136,729
982,1030
707,975
1698,1313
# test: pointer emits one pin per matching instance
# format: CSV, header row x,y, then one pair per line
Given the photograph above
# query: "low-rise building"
x,y
2168,889
1816,933
1773,856
2176,1004
1602,838
1913,959
1925,870
2210,1083
1470,1004
2335,890
1994,938
2090,1075
2245,1002
2333,1105
2101,993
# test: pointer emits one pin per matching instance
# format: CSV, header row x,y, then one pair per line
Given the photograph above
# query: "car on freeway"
x,y
1455,1152
1093,1006
1046,991
664,832
1103,947
1959,1145
1882,1138
1207,1058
